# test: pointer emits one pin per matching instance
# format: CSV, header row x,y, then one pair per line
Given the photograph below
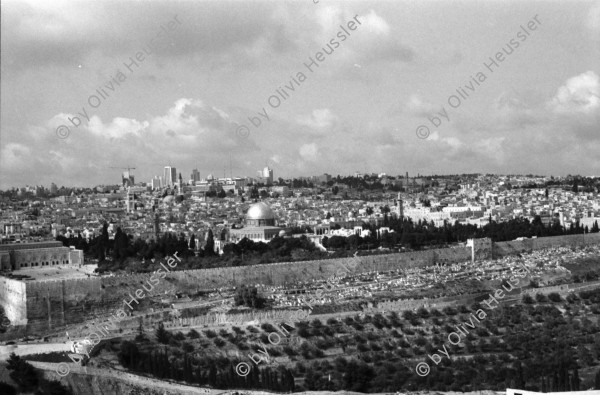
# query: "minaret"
x,y
401,208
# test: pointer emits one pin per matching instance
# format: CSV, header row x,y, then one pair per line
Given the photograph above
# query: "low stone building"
x,y
47,253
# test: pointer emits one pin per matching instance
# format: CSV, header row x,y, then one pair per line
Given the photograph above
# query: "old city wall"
x,y
54,304
513,247
290,272
12,298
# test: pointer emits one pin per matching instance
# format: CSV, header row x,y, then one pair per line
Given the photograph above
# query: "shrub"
x,y
275,352
482,332
193,334
324,344
248,297
449,311
554,297
219,342
316,323
541,298
187,347
415,322
179,336
527,299
289,351
571,298
303,332
378,324
210,333
372,336
268,327
422,312
409,315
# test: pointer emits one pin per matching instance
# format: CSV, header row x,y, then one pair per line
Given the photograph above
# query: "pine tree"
x,y
162,336
209,248
22,373
575,380
212,375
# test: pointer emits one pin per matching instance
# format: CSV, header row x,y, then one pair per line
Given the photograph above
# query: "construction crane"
x,y
128,168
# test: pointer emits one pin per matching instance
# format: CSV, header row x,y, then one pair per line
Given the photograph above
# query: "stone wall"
x,y
528,245
562,289
13,297
75,257
52,304
414,304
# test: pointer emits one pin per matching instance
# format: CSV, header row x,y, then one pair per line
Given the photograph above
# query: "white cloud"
x,y
579,94
319,119
309,152
14,155
418,107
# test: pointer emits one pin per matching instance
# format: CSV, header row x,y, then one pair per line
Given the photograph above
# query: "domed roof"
x,y
260,211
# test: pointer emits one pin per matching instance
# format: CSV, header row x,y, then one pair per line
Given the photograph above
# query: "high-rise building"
x,y
130,201
179,185
267,174
127,179
53,189
195,175
170,176
156,182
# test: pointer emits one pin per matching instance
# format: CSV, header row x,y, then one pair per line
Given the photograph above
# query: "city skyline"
x,y
173,82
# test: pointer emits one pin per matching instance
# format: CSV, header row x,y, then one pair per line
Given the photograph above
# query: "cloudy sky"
x,y
206,69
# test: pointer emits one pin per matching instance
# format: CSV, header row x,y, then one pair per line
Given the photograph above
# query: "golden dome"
x,y
260,211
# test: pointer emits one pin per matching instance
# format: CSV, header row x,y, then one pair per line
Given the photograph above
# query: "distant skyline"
x,y
173,82
416,175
